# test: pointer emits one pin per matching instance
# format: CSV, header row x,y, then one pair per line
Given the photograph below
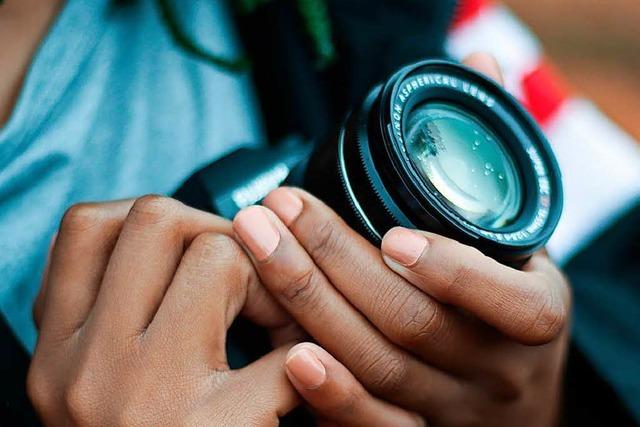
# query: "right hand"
x,y
133,315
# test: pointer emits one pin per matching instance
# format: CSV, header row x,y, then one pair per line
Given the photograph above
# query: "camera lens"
x,y
439,147
466,162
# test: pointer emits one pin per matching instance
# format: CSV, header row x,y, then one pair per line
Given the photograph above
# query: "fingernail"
x,y
285,204
306,368
257,232
404,246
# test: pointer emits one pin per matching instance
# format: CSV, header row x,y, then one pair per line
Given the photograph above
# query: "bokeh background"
x,y
596,45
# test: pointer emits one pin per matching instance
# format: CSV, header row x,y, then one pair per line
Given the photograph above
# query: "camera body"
x,y
437,147
244,177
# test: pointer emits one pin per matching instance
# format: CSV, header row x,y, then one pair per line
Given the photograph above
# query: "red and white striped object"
x,y
600,163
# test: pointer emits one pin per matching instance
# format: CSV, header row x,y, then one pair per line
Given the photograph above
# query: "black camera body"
x,y
437,147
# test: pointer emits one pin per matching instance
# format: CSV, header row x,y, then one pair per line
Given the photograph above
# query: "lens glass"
x,y
465,162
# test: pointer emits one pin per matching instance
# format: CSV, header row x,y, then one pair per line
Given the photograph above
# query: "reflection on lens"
x,y
465,162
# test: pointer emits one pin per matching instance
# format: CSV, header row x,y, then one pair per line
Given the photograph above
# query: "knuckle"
x,y
326,240
153,210
548,322
510,384
214,254
80,403
40,389
344,402
81,217
461,278
302,290
546,317
215,249
465,267
421,322
386,372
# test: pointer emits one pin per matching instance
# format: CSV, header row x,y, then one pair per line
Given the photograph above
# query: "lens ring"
x,y
442,81
371,156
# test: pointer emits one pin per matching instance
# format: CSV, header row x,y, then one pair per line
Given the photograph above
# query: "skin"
x,y
428,324
453,336
23,25
136,343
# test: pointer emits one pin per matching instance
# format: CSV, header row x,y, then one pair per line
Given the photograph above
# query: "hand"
x,y
134,313
434,327
431,325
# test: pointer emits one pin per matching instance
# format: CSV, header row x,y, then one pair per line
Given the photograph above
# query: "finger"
x,y
271,389
529,307
288,272
152,241
403,313
79,257
486,64
290,333
38,303
335,395
213,283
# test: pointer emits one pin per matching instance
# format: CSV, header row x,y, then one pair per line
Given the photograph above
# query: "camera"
x,y
437,147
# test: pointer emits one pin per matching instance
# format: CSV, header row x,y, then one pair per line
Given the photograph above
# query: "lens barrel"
x,y
441,148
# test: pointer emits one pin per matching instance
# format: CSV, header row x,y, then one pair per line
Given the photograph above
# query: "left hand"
x,y
133,317
429,324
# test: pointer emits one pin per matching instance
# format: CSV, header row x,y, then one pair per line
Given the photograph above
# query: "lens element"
x,y
465,162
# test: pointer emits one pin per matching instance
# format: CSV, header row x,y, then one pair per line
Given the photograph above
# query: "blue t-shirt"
x,y
111,108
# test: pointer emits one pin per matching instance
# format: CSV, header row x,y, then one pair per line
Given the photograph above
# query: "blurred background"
x,y
596,45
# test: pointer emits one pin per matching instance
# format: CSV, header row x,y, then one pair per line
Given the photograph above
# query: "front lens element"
x,y
465,162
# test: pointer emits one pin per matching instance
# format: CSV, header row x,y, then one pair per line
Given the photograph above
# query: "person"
x,y
139,293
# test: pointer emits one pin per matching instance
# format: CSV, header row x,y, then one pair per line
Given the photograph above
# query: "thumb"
x,y
487,64
267,385
336,396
